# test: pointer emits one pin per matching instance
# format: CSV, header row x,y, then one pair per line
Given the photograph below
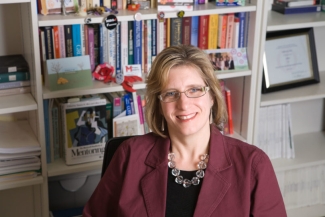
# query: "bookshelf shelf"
x,y
58,167
21,183
309,150
308,92
125,15
17,103
14,1
277,21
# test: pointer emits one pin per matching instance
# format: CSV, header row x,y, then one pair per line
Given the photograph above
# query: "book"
x,y
241,32
13,63
14,91
124,44
213,31
232,59
112,47
230,30
49,48
195,31
203,32
85,130
149,46
130,43
296,10
14,84
56,41
62,41
14,76
296,3
96,43
186,30
126,125
154,38
176,31
91,48
236,33
229,110
47,129
118,67
222,32
76,39
137,42
68,40
68,73
160,30
116,103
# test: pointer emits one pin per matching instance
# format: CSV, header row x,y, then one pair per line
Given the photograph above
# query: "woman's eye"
x,y
170,94
195,89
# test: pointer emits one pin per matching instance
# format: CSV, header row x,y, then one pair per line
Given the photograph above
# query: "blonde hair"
x,y
174,56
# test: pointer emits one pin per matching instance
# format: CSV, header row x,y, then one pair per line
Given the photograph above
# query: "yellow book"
x,y
213,31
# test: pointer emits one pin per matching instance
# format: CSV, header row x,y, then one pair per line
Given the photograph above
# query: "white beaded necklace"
x,y
186,182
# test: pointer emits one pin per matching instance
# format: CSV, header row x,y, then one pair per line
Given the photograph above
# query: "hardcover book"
x,y
296,3
296,10
124,125
233,59
176,31
68,40
68,73
186,30
203,32
13,63
76,40
85,130
14,76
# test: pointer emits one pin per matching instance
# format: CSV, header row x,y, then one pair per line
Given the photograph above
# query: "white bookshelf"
x,y
307,102
17,103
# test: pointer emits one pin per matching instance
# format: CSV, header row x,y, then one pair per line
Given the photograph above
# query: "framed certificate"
x,y
289,60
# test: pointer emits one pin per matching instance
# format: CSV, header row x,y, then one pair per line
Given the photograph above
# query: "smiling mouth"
x,y
186,117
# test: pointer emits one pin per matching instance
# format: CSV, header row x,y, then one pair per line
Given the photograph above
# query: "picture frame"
x,y
289,60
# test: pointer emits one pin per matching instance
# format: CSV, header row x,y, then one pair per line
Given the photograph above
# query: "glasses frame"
x,y
204,88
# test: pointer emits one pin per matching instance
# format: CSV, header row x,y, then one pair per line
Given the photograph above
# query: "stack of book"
x,y
275,131
296,6
14,75
18,159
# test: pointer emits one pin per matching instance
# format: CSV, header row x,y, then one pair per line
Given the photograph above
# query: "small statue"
x,y
63,7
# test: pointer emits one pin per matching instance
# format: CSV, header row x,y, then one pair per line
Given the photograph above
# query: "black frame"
x,y
309,33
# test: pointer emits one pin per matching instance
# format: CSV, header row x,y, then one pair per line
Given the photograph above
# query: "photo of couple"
x,y
222,61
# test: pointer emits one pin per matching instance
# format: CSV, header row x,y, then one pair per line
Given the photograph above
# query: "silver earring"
x,y
162,125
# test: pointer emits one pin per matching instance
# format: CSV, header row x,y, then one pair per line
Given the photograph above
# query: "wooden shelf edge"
x,y
21,183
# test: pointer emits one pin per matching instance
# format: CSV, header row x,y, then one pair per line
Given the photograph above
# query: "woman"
x,y
157,174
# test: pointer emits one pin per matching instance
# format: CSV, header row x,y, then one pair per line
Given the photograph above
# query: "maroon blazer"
x,y
239,181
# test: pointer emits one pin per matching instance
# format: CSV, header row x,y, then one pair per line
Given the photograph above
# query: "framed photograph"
x,y
289,60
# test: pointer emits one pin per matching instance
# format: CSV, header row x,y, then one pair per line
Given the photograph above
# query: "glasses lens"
x,y
170,96
195,92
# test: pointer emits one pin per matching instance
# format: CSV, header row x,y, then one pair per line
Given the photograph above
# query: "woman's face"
x,y
186,116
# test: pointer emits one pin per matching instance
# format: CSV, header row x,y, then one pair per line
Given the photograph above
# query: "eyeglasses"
x,y
193,92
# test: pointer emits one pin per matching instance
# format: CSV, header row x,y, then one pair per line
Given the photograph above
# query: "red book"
x,y
203,32
56,37
186,29
229,110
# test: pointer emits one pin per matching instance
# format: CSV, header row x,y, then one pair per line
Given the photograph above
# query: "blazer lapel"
x,y
214,186
154,184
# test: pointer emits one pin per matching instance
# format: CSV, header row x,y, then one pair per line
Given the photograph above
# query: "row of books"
x,y
18,159
302,187
77,128
138,42
296,6
275,131
14,75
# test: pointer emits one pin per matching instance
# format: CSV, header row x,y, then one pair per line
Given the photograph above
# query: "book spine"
x,y
186,30
140,114
76,40
160,36
68,40
62,41
124,44
175,31
127,104
144,47
143,57
112,47
14,91
118,50
195,31
229,110
296,3
14,76
242,19
100,44
96,43
130,43
91,47
56,134
222,32
230,30
47,130
13,84
149,47
137,46
48,42
104,41
82,39
166,32
203,32
213,31
236,33
56,37
154,38
247,18
86,39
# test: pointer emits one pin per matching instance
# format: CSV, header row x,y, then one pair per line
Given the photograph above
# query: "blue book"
x,y
137,42
195,31
247,18
127,104
47,130
242,18
76,40
49,47
154,37
101,44
118,51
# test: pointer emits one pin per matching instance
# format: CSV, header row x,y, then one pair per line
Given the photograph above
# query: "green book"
x,y
14,76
